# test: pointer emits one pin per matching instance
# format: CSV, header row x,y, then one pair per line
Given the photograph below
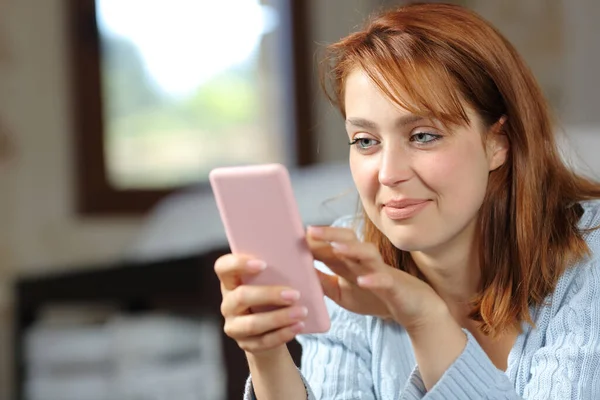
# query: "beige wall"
x,y
40,230
36,106
582,60
333,19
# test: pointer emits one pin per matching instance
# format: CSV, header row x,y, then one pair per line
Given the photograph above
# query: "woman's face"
x,y
420,184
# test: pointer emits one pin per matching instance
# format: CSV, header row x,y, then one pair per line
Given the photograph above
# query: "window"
x,y
165,90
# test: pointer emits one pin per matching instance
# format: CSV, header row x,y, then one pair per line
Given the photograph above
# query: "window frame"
x,y
94,193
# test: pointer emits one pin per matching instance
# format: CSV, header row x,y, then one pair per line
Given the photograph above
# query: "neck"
x,y
452,269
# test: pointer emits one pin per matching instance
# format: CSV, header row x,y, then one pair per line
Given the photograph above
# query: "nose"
x,y
394,168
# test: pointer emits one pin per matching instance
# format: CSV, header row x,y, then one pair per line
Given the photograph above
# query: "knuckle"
x,y
371,250
252,346
287,335
265,341
369,247
221,263
240,295
227,263
282,336
223,308
245,346
251,326
348,233
228,330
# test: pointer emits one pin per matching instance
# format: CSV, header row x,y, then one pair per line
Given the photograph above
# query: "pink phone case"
x,y
261,218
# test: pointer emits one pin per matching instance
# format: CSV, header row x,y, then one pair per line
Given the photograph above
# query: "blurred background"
x,y
112,112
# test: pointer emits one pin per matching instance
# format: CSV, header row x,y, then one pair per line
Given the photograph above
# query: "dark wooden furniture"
x,y
176,284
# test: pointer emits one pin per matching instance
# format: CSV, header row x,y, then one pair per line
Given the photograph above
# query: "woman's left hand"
x,y
364,284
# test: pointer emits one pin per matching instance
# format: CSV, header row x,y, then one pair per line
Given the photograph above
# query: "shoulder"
x,y
579,286
589,221
589,226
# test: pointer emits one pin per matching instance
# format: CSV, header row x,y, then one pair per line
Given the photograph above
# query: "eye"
x,y
363,143
424,137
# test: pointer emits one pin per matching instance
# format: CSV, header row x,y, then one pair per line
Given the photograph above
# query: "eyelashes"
x,y
420,139
431,137
363,143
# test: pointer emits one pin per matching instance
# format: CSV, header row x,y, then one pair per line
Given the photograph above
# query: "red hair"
x,y
431,59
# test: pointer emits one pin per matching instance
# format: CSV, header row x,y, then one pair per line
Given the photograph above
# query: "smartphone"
x,y
261,218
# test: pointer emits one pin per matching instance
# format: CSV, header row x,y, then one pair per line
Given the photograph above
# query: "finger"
x,y
322,251
360,251
382,282
230,267
361,257
331,234
347,260
330,284
243,297
339,266
251,325
271,340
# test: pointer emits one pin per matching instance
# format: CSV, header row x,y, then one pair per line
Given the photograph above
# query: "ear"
x,y
497,145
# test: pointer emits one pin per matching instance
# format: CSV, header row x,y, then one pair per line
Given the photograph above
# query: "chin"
x,y
406,239
408,244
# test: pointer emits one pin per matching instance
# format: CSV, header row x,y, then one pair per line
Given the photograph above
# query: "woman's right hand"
x,y
261,331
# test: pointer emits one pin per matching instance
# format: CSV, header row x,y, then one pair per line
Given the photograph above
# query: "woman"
x,y
477,276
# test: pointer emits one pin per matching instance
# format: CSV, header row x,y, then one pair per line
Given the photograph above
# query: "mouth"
x,y
404,209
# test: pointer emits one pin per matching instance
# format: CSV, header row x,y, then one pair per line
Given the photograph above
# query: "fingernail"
x,y
339,246
299,312
363,280
291,295
315,231
298,327
256,265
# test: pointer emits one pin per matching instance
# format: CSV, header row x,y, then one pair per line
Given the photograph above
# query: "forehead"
x,y
362,94
368,98
426,90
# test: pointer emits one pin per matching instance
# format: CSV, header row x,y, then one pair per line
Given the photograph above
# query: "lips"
x,y
405,208
404,203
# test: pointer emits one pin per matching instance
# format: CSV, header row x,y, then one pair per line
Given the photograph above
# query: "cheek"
x,y
365,175
458,177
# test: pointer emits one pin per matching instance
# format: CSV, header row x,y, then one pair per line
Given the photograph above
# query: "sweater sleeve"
x,y
472,376
336,365
566,366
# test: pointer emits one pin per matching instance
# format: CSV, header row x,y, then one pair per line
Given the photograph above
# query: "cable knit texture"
x,y
364,357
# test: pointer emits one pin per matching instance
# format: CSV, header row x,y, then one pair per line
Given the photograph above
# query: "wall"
x,y
39,229
582,60
332,20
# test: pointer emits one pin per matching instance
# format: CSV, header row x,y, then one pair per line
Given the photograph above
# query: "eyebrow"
x,y
400,122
